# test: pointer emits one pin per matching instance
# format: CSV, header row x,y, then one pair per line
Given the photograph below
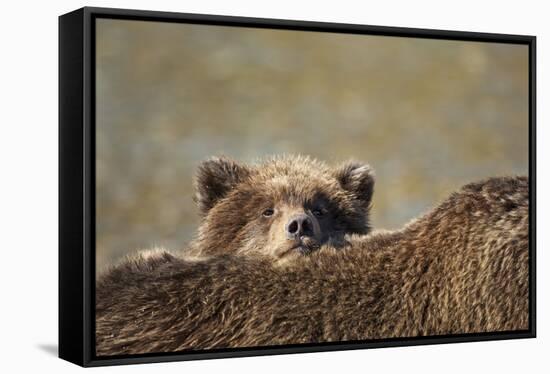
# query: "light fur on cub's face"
x,y
283,207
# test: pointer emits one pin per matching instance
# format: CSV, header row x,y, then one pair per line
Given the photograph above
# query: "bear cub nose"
x,y
298,226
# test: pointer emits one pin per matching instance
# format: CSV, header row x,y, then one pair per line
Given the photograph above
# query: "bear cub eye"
x,y
268,212
318,212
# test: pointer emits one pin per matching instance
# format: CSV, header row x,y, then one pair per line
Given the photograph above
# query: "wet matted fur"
x,y
461,268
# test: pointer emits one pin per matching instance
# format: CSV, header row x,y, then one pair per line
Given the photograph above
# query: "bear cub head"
x,y
283,207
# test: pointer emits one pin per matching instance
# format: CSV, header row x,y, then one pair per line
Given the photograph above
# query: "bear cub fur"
x,y
281,208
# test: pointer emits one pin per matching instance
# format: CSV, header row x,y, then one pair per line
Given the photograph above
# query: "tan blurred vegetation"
x,y
428,115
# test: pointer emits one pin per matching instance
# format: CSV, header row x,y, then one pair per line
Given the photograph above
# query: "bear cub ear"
x,y
215,178
357,178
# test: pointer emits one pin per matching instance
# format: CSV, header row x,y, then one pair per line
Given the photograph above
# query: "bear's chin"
x,y
302,247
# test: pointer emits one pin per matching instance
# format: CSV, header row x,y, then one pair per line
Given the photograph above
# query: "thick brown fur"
x,y
246,209
461,268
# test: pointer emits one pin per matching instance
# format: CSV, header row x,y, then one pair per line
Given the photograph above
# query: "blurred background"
x,y
428,115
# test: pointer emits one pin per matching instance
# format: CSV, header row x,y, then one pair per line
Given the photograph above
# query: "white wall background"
x,y
28,195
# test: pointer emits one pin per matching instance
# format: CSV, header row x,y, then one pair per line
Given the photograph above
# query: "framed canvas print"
x,y
236,186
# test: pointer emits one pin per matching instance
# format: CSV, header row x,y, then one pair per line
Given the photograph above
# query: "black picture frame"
x,y
77,181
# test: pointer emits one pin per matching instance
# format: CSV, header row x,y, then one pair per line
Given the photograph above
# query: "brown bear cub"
x,y
282,208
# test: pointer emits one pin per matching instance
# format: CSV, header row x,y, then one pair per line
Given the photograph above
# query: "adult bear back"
x,y
461,268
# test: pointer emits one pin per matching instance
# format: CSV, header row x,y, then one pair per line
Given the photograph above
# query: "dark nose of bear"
x,y
298,226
